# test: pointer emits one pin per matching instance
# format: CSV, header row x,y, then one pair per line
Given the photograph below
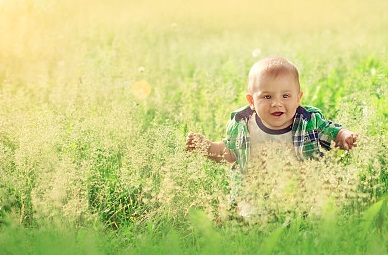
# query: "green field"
x,y
96,98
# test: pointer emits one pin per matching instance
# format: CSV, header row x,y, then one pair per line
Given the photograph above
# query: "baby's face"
x,y
275,100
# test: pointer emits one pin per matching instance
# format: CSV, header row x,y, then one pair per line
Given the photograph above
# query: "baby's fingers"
x,y
191,141
354,138
189,144
350,142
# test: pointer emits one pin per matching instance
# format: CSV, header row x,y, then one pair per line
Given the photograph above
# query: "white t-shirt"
x,y
261,136
263,141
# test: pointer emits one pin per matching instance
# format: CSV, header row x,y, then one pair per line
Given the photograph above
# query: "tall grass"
x,y
96,100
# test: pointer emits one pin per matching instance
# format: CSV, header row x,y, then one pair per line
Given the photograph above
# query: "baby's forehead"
x,y
274,73
263,81
268,86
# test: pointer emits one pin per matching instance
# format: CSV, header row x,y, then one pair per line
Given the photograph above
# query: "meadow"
x,y
96,99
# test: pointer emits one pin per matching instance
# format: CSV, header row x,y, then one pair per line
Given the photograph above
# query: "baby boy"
x,y
274,114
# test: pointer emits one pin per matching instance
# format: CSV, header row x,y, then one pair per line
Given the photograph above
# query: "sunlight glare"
x,y
141,90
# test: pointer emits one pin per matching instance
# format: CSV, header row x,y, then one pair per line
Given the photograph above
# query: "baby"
x,y
274,114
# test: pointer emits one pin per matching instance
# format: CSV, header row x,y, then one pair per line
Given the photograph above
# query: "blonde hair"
x,y
272,66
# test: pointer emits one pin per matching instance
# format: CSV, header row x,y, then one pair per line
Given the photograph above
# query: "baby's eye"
x,y
267,97
286,96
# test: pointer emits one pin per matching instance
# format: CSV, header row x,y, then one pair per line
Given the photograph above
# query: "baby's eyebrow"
x,y
271,92
263,92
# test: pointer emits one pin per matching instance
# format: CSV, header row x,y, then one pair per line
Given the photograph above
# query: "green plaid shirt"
x,y
310,132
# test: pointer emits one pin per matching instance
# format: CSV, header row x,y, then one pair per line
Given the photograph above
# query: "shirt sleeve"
x,y
237,141
327,130
231,135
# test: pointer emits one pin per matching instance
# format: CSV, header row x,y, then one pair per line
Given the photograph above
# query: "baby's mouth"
x,y
277,114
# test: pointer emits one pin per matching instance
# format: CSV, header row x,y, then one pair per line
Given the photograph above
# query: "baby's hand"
x,y
216,151
196,142
346,139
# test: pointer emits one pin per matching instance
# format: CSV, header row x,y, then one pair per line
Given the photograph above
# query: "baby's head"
x,y
274,91
271,67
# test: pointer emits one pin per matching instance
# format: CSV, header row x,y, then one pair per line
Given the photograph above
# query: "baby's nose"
x,y
276,103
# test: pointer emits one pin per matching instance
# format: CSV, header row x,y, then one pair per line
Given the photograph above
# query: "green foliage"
x,y
96,101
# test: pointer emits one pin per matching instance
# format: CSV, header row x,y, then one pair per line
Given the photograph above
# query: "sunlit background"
x,y
96,98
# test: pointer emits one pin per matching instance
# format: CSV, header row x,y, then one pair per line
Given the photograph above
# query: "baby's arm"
x,y
216,151
346,139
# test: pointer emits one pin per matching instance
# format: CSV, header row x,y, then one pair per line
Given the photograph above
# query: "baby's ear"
x,y
250,100
300,96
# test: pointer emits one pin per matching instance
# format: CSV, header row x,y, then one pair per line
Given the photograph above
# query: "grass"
x,y
96,100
